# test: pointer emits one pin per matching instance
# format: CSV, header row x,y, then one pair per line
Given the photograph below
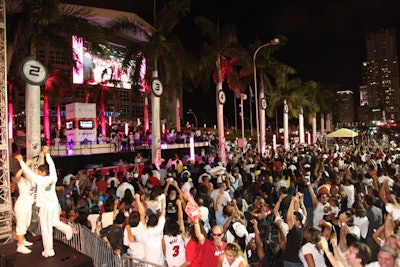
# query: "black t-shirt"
x,y
293,244
171,210
207,201
268,188
285,205
115,235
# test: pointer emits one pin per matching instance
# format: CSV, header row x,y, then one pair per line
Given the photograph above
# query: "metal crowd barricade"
x,y
91,245
128,261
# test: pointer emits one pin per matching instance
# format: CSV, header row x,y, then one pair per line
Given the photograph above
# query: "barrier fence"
x,y
92,246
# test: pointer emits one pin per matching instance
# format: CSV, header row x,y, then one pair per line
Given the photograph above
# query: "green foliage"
x,y
163,51
48,22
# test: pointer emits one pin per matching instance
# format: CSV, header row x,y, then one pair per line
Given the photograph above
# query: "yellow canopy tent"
x,y
343,132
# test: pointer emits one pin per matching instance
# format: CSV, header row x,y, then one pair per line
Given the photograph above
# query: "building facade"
x,y
345,102
382,75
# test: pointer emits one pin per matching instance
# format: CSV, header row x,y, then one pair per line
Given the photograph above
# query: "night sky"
x,y
326,38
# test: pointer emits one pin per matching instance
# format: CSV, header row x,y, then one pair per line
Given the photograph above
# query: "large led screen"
x,y
92,69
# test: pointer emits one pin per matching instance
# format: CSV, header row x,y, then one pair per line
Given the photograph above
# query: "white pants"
x,y
23,213
49,218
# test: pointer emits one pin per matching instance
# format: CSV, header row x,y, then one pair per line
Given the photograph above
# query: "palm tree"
x,y
220,59
164,56
271,73
34,22
47,21
296,96
326,99
56,87
14,86
308,106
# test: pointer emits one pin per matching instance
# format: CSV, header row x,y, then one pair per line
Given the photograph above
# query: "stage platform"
x,y
65,256
80,162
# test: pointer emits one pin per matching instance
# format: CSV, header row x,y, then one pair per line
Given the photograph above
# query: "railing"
x,y
92,246
81,149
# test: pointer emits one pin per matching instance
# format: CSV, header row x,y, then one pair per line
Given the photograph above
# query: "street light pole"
x,y
272,42
194,115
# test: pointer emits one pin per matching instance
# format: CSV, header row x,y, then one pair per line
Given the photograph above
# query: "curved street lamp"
x,y
272,42
194,115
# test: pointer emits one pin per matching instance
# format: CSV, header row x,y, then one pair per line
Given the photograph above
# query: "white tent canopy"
x,y
342,132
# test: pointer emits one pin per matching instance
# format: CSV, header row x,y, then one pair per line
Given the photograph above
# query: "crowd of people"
x,y
307,206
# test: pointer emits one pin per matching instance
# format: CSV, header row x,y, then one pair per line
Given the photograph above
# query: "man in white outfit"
x,y
23,210
47,201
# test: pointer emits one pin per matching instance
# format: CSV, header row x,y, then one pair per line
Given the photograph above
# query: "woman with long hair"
x,y
311,253
232,257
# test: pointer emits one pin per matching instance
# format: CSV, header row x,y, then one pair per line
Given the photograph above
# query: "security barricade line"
x,y
128,261
91,245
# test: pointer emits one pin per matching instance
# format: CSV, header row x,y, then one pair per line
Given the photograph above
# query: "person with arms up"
x,y
23,209
211,248
357,255
47,201
294,237
152,232
173,241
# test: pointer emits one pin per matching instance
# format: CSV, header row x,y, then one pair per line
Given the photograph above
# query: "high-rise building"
x,y
345,104
382,74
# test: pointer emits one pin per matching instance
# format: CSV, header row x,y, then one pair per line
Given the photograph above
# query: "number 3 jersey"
x,y
174,250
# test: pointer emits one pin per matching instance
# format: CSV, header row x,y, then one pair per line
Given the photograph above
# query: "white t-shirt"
x,y
46,185
151,238
136,249
235,263
223,201
355,230
187,186
362,223
318,255
204,217
107,218
121,190
67,179
349,189
319,214
115,179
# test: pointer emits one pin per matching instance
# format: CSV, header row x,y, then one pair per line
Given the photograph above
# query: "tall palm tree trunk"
x,y
32,113
329,122
32,100
285,125
178,116
146,114
262,122
301,126
46,118
220,119
59,116
314,128
322,125
155,127
102,116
